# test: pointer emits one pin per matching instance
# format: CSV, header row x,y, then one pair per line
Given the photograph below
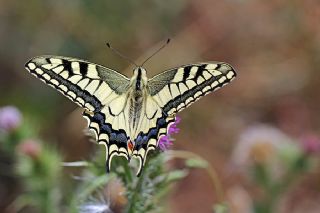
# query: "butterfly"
x,y
129,116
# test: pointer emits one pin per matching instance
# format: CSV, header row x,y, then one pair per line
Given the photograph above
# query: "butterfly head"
x,y
139,71
139,79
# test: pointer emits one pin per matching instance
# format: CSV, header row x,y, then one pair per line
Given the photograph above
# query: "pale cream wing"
x,y
177,88
100,90
172,91
153,124
110,126
85,83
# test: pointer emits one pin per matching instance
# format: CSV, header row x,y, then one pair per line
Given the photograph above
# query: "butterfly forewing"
x,y
176,89
85,83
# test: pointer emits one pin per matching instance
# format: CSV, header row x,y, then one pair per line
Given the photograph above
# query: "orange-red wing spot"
x,y
130,145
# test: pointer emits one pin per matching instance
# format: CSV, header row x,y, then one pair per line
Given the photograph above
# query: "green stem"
x,y
137,193
128,172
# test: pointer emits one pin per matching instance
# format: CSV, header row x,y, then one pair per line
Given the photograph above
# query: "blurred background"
x,y
260,133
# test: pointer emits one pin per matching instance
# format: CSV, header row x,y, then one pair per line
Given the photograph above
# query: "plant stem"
x,y
137,192
128,173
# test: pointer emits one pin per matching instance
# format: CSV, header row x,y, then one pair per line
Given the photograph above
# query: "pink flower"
x,y
311,144
266,146
173,129
29,148
166,141
10,118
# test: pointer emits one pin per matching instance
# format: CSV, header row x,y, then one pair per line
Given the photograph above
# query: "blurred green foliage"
x,y
39,169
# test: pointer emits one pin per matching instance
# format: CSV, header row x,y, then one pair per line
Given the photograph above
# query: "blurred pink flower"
x,y
311,143
10,118
262,136
166,141
264,145
30,148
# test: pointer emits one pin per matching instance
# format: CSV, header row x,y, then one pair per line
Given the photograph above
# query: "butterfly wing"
x,y
176,89
103,93
100,90
85,83
172,91
153,125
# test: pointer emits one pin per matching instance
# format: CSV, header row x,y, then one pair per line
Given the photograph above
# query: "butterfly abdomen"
x,y
135,109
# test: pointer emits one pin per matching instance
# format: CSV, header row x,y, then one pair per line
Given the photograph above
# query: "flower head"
x,y
259,143
173,129
166,141
30,148
311,144
111,196
96,207
265,146
10,118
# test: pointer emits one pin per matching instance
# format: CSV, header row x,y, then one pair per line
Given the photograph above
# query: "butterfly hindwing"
x,y
178,88
153,125
114,140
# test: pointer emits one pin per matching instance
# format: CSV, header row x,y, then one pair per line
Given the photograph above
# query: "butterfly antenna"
x,y
163,46
121,55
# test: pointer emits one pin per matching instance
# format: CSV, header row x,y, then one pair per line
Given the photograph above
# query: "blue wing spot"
x,y
121,138
113,137
106,128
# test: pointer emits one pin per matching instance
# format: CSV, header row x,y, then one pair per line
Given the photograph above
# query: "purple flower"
x,y
173,129
10,118
166,141
311,144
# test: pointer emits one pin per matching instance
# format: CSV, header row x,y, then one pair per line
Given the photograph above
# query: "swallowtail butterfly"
x,y
128,116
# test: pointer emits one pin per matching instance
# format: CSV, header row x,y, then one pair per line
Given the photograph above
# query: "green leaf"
x,y
220,208
176,175
196,163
